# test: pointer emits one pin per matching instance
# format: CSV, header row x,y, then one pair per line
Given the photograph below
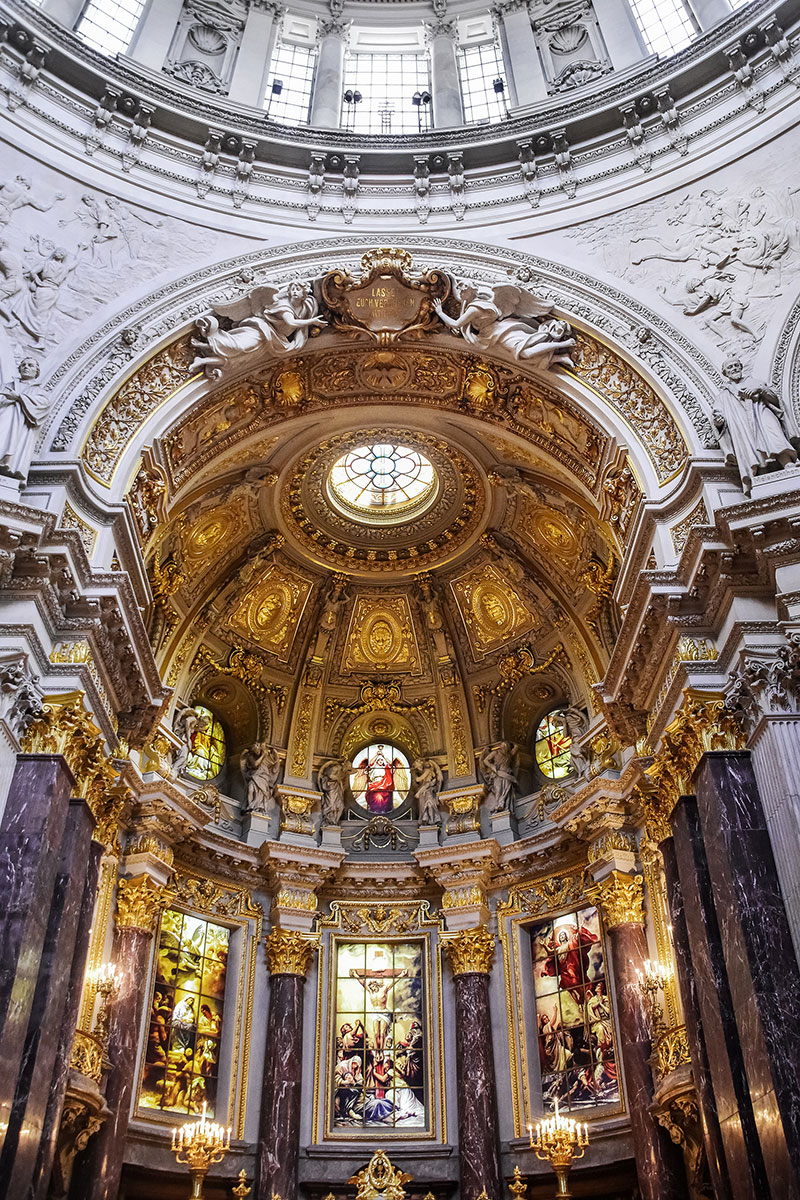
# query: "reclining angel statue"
x,y
505,317
269,319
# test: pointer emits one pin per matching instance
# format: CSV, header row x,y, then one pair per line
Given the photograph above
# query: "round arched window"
x,y
383,481
207,755
552,747
380,778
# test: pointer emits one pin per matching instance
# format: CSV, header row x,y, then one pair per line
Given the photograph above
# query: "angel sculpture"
x,y
508,318
499,767
274,319
428,779
577,724
332,777
260,767
187,724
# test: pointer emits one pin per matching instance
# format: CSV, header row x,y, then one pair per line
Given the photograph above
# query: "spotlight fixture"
x,y
498,86
352,97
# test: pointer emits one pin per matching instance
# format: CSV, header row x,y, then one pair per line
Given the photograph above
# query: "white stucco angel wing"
x,y
254,303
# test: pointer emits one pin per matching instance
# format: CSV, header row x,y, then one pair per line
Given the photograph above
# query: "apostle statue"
x,y
428,780
260,766
187,724
332,777
749,418
22,408
576,722
499,767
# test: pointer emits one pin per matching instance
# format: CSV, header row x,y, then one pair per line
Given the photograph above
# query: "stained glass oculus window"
x,y
552,746
380,778
380,1044
382,481
577,1051
181,1065
207,756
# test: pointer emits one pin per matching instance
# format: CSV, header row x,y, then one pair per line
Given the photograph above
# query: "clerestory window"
x,y
109,25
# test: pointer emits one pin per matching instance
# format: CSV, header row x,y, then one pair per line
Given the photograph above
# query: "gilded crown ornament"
x,y
379,1180
140,903
471,951
288,952
621,897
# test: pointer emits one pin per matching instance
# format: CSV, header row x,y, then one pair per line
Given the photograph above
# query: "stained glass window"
x,y
383,479
577,1051
207,756
380,1060
380,779
552,746
182,1058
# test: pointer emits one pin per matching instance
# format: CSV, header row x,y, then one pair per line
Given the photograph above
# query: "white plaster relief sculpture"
x,y
428,780
504,317
269,319
22,409
499,767
186,724
35,305
18,193
749,417
332,777
260,767
20,694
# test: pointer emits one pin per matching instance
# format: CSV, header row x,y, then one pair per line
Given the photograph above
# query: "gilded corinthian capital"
x,y
621,897
288,952
140,902
471,951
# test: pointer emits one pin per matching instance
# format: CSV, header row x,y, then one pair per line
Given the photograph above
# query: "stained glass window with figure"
x,y
381,777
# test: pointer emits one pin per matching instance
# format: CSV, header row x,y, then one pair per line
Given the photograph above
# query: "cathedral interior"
x,y
399,599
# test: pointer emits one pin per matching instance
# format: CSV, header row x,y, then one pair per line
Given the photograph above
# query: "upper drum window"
x,y
207,755
552,749
380,778
382,482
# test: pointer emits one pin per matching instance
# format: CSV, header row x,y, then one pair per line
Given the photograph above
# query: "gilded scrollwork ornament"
x,y
471,951
621,898
140,903
289,952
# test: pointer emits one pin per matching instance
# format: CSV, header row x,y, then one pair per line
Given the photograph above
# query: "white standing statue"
x,y
505,317
187,723
577,723
332,777
273,319
22,409
749,418
428,780
499,767
260,767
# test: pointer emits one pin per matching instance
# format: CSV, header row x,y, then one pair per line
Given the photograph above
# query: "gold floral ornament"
x,y
471,950
621,897
288,952
140,903
379,1180
87,1055
671,1051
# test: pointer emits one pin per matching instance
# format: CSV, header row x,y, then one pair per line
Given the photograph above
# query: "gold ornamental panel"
x,y
270,611
381,636
493,611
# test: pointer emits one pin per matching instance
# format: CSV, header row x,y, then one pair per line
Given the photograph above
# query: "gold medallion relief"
x,y
270,611
381,636
493,611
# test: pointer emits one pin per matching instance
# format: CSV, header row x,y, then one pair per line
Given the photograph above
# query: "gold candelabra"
x,y
199,1145
653,979
559,1141
105,982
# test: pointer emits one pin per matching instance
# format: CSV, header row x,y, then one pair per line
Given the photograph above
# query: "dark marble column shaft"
x,y
98,1169
709,1121
762,969
52,1121
35,1080
279,1132
477,1090
732,1101
659,1162
30,836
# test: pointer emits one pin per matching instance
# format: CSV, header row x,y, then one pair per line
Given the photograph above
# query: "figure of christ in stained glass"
x,y
573,1011
381,778
181,1064
379,1065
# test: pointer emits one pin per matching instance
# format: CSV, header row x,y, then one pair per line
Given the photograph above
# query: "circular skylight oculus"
x,y
382,483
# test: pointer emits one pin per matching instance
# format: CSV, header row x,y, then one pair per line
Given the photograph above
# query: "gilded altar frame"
x,y
528,904
213,900
368,922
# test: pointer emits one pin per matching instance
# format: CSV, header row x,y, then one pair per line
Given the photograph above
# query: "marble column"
x,y
732,1102
288,957
55,1103
249,80
471,952
24,1131
659,1163
31,833
710,12
762,969
621,34
153,38
448,110
701,1072
326,101
140,902
527,75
